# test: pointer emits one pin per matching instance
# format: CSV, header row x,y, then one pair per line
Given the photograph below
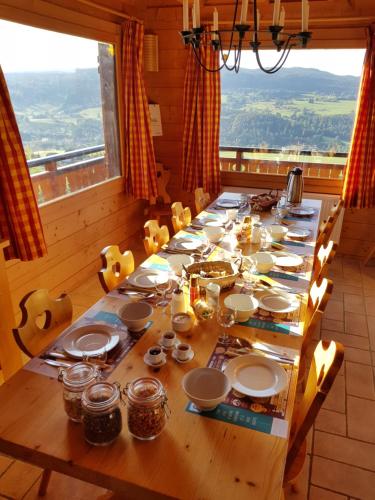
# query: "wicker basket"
x,y
264,202
200,268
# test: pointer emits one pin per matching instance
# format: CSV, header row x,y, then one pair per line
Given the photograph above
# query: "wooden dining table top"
x,y
194,457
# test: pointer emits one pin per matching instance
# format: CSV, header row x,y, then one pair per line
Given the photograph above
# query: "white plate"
x,y
302,211
90,340
298,233
186,244
227,204
277,302
256,376
286,259
147,278
211,222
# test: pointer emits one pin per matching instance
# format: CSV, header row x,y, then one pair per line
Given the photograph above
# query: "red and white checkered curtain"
x,y
201,114
359,183
19,215
140,165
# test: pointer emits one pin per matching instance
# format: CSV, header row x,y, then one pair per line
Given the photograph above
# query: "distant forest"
x,y
301,108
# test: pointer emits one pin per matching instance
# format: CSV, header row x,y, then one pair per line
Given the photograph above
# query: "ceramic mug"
x,y
183,352
155,355
169,339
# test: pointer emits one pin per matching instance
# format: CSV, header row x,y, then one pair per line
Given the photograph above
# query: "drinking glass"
x,y
275,213
225,318
163,289
99,359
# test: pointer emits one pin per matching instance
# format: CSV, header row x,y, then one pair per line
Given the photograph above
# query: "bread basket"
x,y
202,269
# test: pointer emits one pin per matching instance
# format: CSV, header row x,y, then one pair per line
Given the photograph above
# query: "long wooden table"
x,y
194,457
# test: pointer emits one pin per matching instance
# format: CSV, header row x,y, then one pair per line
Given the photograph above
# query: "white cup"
x,y
231,213
169,339
155,355
183,352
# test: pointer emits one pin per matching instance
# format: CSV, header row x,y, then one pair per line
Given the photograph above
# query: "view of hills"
x,y
304,108
57,111
296,107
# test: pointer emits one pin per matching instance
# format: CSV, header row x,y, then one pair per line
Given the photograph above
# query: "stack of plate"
x,y
90,340
301,211
287,259
186,245
277,301
224,204
147,278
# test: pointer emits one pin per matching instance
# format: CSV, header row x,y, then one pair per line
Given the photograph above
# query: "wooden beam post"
x,y
10,355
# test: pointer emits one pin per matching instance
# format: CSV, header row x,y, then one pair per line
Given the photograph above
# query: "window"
x,y
303,113
63,93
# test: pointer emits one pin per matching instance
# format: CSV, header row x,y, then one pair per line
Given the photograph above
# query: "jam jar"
x,y
101,414
75,379
147,407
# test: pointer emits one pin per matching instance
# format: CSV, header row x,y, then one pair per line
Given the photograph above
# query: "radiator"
x,y
328,201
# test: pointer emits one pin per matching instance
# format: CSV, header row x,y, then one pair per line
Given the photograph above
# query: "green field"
x,y
280,157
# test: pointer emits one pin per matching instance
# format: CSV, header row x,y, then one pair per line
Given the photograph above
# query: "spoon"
x,y
146,295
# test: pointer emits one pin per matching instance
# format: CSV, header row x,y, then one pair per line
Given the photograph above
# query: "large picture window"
x,y
63,90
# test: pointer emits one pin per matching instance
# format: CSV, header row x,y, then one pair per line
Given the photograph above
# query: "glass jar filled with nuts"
x,y
147,407
75,379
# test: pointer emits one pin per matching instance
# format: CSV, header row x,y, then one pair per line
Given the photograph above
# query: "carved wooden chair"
x,y
116,267
323,260
42,320
327,360
336,210
202,199
155,237
181,217
324,234
160,204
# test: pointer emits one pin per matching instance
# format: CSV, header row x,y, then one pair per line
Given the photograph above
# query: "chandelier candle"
x,y
276,13
244,11
185,15
305,15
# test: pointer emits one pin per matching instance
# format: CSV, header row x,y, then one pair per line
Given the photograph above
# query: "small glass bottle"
x,y
75,380
256,235
247,228
213,292
147,406
178,301
194,289
101,414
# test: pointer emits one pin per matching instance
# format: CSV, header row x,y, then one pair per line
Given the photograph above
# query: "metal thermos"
x,y
295,186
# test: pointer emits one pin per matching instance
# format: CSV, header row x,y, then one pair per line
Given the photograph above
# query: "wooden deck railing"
x,y
58,178
278,162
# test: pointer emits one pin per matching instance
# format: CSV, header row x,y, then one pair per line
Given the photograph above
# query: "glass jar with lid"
x,y
147,407
75,379
101,414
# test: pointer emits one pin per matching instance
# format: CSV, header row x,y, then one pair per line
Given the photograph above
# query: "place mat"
x,y
266,320
261,414
115,356
157,262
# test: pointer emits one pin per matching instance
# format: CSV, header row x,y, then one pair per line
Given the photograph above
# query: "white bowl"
x,y
135,315
214,234
277,232
264,261
244,306
177,261
206,387
182,322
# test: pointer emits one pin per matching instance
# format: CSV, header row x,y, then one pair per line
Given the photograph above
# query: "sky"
x,y
23,48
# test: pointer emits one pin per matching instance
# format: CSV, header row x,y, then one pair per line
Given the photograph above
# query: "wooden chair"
x,y
326,363
42,320
202,199
323,260
32,337
155,236
116,267
336,210
324,234
181,217
160,205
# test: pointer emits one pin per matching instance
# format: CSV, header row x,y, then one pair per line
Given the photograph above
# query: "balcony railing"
x,y
323,165
53,176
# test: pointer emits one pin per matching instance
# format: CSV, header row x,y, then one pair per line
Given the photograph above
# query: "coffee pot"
x,y
295,185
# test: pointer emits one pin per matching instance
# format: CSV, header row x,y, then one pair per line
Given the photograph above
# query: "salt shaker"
x,y
256,234
212,294
178,301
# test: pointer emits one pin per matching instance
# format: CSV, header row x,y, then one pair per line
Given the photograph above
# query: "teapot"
x,y
295,185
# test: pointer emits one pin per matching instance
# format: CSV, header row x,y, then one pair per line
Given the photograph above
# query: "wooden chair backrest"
x,y
336,210
155,236
323,260
326,363
319,295
181,217
162,178
202,199
116,267
324,234
37,307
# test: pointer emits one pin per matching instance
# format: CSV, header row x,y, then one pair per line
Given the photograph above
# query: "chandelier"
x,y
243,35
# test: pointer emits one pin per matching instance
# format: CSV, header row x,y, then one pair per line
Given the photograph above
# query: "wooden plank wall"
x,y
76,229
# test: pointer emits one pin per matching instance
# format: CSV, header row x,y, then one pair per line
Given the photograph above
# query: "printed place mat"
x,y
264,415
115,356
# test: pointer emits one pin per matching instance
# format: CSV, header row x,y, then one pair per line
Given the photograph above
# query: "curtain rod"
x,y
111,11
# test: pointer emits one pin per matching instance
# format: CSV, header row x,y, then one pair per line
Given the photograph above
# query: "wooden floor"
x,y
341,454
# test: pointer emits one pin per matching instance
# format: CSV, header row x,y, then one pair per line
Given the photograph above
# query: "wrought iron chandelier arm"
x,y
281,61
